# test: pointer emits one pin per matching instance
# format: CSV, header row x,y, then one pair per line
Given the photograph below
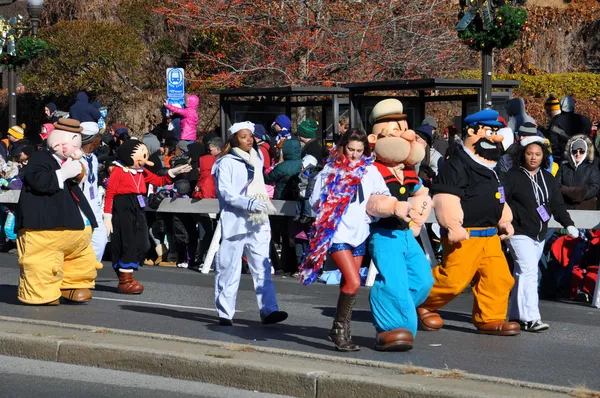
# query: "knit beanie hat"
x,y
527,129
260,132
307,129
51,107
284,122
17,131
552,103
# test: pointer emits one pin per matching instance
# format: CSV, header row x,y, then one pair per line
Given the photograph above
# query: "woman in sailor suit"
x,y
245,207
341,228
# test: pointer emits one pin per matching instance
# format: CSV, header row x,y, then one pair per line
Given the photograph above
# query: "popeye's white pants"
x,y
524,299
228,271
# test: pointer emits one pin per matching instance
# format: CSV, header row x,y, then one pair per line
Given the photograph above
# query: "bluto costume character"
x,y
470,204
55,224
404,277
124,210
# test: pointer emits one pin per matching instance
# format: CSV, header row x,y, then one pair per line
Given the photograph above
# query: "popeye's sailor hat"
x,y
387,110
486,117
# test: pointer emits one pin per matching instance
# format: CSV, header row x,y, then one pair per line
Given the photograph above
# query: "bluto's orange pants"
x,y
51,260
480,260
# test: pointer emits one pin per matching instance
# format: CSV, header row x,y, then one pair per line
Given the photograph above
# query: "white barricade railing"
x,y
582,219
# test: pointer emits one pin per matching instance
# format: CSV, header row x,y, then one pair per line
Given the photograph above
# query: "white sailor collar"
x,y
128,169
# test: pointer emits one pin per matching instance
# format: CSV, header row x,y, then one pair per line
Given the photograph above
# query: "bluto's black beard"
x,y
489,154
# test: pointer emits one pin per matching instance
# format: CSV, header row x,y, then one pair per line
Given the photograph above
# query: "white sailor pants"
x,y
99,238
228,271
524,299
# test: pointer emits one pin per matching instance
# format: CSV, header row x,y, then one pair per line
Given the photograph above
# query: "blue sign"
x,y
175,83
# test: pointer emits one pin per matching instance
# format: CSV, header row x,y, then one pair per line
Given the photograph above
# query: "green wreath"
x,y
509,23
27,49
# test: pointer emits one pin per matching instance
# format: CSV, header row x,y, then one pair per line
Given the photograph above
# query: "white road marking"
x,y
158,304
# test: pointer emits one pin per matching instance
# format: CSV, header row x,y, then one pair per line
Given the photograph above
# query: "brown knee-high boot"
x,y
340,332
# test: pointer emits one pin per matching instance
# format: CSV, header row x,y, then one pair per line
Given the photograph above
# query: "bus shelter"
x,y
262,105
416,93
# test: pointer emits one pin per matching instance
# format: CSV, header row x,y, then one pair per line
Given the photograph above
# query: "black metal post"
x,y
12,97
486,79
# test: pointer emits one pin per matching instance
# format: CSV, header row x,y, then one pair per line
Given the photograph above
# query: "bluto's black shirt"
x,y
475,185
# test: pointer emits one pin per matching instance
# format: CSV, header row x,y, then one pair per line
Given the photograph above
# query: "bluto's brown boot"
x,y
429,320
128,284
394,340
76,295
499,328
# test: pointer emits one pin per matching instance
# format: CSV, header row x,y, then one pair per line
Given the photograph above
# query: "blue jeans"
x,y
303,208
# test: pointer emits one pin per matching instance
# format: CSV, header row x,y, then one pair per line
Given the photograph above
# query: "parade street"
x,y
179,302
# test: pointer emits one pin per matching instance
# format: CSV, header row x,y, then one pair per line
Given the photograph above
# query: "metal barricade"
x,y
582,219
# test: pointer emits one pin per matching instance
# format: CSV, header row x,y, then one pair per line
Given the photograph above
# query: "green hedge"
x,y
579,84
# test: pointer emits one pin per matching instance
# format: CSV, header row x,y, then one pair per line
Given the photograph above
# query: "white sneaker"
x,y
182,265
534,326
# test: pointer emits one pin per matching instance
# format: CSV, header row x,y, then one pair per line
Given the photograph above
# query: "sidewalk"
x,y
247,367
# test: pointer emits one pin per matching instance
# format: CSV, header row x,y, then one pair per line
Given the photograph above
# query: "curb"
x,y
364,377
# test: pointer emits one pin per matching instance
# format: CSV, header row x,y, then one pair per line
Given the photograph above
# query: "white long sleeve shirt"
x,y
232,176
353,228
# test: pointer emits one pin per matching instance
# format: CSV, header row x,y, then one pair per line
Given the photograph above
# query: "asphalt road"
x,y
180,302
30,378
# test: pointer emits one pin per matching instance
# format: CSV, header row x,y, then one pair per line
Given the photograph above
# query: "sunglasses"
x,y
577,151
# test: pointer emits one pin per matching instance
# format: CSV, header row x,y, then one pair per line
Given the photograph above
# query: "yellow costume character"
x,y
54,222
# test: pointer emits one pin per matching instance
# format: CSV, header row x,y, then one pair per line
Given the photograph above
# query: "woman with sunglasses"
x,y
533,196
579,175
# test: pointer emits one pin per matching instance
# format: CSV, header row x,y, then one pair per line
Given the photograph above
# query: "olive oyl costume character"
x,y
469,202
404,278
55,223
125,213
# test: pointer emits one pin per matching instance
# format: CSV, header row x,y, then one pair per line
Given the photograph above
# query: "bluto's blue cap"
x,y
486,117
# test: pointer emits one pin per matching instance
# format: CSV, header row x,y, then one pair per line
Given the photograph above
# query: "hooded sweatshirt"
x,y
83,111
517,116
566,125
291,165
580,183
190,117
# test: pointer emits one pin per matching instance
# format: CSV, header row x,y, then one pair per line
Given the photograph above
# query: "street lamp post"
x,y
34,8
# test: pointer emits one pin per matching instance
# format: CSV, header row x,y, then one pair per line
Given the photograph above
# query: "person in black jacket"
x,y
566,125
83,111
54,223
579,175
533,196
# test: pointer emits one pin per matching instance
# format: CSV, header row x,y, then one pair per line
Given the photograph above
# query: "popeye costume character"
x,y
55,223
469,203
404,278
